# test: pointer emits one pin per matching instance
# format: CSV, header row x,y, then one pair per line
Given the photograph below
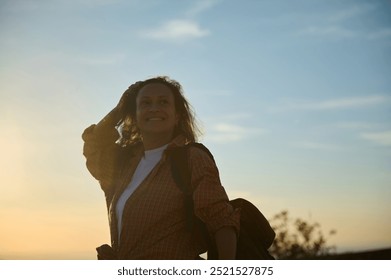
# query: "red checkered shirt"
x,y
154,217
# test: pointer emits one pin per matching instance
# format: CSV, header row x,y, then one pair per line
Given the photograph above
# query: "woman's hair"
x,y
129,131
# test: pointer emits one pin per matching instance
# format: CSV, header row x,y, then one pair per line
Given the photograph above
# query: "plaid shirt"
x,y
154,217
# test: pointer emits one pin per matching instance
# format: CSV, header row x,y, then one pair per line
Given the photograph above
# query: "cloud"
x,y
176,30
27,5
334,31
329,30
315,146
334,25
334,104
357,125
380,34
237,116
352,102
201,6
225,132
379,138
185,28
351,12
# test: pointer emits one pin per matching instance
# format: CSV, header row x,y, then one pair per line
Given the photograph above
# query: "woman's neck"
x,y
155,141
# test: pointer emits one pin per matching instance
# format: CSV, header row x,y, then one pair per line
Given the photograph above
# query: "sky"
x,y
293,97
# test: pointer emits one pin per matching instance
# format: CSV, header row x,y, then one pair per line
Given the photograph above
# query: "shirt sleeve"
x,y
102,154
211,203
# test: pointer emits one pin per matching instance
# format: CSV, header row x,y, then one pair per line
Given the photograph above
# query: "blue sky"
x,y
294,98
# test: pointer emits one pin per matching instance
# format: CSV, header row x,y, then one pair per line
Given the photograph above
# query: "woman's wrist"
x,y
226,241
109,121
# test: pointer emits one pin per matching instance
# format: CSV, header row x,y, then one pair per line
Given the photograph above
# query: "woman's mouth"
x,y
155,119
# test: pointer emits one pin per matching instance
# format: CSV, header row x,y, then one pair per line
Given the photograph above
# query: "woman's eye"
x,y
145,103
163,102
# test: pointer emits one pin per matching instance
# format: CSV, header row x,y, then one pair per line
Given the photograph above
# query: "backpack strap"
x,y
181,173
201,147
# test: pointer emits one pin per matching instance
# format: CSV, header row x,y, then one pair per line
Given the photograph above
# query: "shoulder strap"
x,y
201,147
181,173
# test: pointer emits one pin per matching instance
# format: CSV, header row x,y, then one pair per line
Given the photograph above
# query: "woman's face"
x,y
155,111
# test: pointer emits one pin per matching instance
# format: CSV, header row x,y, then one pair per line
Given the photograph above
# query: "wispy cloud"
x,y
184,28
380,34
328,30
335,25
26,5
201,6
352,102
351,12
380,138
339,32
237,116
334,104
357,125
176,30
310,145
225,132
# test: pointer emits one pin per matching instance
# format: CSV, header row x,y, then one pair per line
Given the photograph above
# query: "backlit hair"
x,y
129,131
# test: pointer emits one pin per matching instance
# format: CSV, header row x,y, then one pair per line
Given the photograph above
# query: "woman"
x,y
145,206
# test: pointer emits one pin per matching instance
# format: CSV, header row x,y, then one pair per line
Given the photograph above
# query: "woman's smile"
x,y
155,112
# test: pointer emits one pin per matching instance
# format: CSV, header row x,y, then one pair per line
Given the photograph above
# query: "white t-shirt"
x,y
145,166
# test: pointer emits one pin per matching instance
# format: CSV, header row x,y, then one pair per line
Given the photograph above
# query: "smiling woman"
x,y
156,115
155,97
146,207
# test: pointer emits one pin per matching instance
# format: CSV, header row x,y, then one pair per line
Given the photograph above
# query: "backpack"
x,y
255,236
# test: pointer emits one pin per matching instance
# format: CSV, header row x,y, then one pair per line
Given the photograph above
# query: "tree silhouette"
x,y
298,239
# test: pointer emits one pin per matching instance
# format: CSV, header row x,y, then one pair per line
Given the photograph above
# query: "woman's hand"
x,y
226,243
115,115
128,100
109,121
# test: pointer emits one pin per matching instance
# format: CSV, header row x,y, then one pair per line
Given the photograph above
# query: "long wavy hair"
x,y
130,133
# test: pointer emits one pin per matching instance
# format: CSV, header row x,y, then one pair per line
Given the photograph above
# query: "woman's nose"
x,y
154,107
